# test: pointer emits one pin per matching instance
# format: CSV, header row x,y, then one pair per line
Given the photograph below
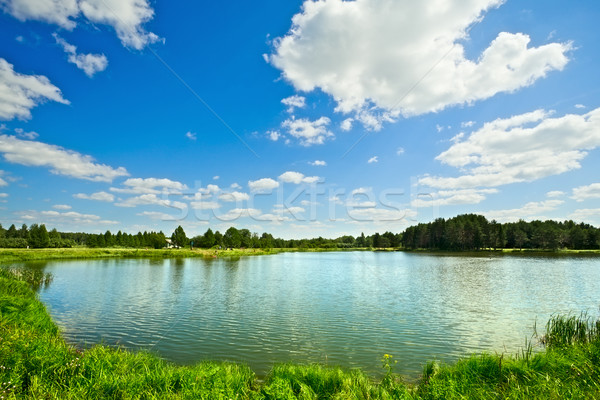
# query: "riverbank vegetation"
x,y
35,362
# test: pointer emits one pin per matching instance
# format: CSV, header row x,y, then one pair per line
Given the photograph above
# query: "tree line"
x,y
461,233
475,232
37,236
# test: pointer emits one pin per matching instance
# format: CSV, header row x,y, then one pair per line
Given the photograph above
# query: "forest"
x,y
475,232
462,233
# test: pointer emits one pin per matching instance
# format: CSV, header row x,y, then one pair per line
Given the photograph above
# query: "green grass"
x,y
19,255
36,363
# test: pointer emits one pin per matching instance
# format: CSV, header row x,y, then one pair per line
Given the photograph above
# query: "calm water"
x,y
336,308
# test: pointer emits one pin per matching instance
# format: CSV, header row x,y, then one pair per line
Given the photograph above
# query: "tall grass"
x,y
570,330
36,363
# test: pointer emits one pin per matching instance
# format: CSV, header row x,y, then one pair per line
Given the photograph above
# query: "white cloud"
x,y
62,207
308,132
26,135
60,161
555,193
191,135
452,197
151,186
374,214
235,186
20,93
273,135
69,218
88,63
400,151
346,124
318,163
521,148
361,190
585,215
583,193
263,185
3,197
204,205
529,211
297,178
405,58
373,159
294,102
240,213
159,216
98,196
125,16
580,106
234,197
2,181
467,124
151,199
216,178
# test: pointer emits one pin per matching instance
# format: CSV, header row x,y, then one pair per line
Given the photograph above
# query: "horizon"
x,y
301,119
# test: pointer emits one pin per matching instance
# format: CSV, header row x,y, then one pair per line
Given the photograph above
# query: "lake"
x,y
338,308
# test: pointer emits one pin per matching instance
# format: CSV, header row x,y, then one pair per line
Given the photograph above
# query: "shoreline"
x,y
79,253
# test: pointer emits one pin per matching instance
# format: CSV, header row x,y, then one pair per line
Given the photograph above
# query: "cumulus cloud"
x,y
529,211
151,186
98,196
346,124
585,215
60,161
62,207
297,178
555,193
234,197
318,163
521,148
405,58
400,151
273,135
373,159
20,93
263,185
452,197
308,132
159,216
127,17
89,63
583,193
294,102
70,218
26,135
151,199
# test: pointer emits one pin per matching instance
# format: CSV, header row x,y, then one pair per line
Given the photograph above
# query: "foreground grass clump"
x,y
36,363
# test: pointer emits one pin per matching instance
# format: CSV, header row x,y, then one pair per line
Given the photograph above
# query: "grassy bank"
x,y
36,363
12,255
17,255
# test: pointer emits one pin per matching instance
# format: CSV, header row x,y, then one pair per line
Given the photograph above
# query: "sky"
x,y
302,119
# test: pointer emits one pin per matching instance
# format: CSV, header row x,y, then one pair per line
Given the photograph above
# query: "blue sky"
x,y
298,118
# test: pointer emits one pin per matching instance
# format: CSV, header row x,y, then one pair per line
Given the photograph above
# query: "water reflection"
x,y
337,308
